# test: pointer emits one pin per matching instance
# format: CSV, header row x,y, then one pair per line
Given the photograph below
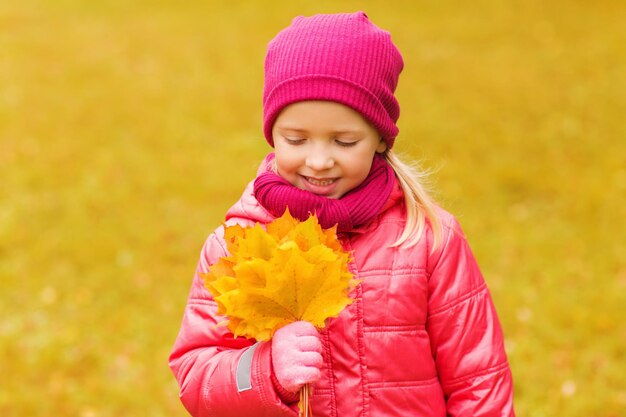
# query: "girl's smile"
x,y
321,186
324,147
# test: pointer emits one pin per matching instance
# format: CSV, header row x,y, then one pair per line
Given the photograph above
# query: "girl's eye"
x,y
345,143
295,141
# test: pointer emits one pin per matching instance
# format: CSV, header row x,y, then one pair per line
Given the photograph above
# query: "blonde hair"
x,y
420,206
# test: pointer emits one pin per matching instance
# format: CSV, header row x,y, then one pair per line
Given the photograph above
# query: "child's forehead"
x,y
296,129
307,115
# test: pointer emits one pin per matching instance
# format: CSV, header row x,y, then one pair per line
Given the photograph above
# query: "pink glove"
x,y
296,355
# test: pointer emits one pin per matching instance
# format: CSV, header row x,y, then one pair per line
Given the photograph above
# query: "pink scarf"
x,y
355,208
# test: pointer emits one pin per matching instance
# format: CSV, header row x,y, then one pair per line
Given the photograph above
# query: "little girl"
x,y
422,337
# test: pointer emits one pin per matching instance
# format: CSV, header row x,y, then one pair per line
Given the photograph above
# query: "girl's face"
x,y
324,147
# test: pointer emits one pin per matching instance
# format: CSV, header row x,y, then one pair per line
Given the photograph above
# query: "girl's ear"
x,y
382,146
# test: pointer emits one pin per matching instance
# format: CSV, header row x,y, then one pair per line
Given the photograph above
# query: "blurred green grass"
x,y
128,128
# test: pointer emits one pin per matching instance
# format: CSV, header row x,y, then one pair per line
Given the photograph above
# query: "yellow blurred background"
x,y
127,128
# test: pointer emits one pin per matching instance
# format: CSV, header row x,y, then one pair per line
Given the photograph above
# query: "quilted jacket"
x,y
421,339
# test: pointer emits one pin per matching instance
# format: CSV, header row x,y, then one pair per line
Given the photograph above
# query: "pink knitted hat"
x,y
337,57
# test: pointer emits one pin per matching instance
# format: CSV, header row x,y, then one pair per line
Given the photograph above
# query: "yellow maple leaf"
x,y
289,272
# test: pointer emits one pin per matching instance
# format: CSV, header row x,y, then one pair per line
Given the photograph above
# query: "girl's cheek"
x,y
285,164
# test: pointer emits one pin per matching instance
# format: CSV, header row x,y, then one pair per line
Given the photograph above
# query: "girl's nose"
x,y
320,159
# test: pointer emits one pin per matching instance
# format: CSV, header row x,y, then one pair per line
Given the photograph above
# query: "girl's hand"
x,y
296,355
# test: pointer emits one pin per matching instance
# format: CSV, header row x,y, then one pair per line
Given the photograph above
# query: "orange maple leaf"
x,y
289,272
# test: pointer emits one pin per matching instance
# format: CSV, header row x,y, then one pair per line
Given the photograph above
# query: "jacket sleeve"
x,y
219,375
465,333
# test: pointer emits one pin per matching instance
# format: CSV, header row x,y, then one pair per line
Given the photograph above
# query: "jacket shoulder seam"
x,y
449,229
220,242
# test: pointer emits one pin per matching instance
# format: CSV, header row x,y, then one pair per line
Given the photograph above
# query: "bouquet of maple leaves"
x,y
288,272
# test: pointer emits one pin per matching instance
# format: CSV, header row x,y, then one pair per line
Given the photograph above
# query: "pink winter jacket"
x,y
421,339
